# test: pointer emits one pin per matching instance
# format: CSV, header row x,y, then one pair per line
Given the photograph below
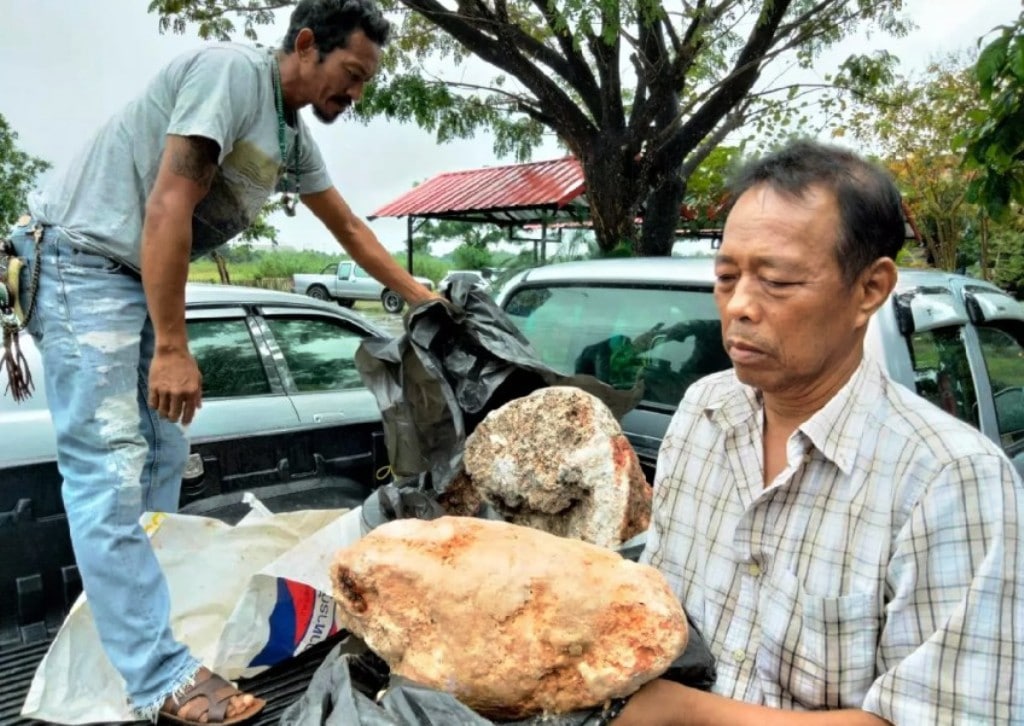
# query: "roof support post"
x,y
543,241
408,243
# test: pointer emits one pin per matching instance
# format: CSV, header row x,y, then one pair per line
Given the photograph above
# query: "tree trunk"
x,y
610,172
661,217
665,186
986,273
222,268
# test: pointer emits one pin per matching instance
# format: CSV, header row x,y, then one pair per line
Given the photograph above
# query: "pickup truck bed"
x,y
280,686
325,467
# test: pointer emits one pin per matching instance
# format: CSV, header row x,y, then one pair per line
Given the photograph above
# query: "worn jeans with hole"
x,y
118,458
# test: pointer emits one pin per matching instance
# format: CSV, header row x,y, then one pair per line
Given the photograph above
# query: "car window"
x,y
361,273
227,358
344,270
1004,360
942,373
668,338
319,352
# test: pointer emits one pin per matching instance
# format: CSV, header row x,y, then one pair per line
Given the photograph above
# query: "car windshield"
x,y
668,338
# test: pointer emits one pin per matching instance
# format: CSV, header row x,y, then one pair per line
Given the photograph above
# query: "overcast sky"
x,y
69,64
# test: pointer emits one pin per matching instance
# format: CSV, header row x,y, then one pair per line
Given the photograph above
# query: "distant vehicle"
x,y
346,282
476,278
271,361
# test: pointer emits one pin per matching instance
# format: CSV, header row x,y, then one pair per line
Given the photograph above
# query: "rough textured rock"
x,y
510,620
557,460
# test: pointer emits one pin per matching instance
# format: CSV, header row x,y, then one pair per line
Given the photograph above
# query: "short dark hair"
x,y
333,21
870,206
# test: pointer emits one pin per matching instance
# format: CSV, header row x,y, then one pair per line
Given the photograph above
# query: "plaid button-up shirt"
x,y
882,569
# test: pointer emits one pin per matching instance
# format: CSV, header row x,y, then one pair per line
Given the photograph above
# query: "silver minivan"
x,y
955,340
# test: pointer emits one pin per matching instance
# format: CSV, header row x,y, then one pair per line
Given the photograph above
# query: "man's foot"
x,y
212,700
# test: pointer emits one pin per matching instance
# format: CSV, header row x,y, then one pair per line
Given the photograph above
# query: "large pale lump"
x,y
557,460
510,620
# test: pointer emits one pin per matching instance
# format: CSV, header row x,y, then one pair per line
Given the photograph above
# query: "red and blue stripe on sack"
x,y
302,616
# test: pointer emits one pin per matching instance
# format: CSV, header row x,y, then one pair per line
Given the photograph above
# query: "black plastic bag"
x,y
344,692
457,361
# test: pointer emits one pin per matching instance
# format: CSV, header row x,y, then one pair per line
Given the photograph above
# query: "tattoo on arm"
x,y
196,159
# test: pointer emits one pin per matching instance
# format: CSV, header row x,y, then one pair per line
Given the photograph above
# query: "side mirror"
x,y
927,309
985,305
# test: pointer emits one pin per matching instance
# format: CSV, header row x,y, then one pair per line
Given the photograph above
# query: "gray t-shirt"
x,y
223,92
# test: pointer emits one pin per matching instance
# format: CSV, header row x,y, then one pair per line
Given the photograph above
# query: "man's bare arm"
x,y
362,244
664,703
186,171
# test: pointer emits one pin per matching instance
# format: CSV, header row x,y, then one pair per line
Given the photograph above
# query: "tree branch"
x,y
520,40
694,40
570,121
606,56
805,18
672,82
521,103
733,121
579,74
745,73
765,58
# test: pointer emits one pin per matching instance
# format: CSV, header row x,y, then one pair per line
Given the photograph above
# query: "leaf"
x,y
990,63
1017,59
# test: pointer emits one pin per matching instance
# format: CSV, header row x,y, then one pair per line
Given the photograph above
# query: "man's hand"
x,y
175,386
187,167
427,295
651,705
362,244
665,703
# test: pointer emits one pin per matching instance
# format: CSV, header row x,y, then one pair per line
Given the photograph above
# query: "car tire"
x,y
346,303
318,292
392,302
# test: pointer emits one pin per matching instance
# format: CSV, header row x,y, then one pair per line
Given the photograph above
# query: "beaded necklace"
x,y
287,199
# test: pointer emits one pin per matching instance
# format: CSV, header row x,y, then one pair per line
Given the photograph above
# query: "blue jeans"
x,y
118,458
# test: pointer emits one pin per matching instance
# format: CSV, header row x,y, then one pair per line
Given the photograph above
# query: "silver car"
x,y
271,361
955,340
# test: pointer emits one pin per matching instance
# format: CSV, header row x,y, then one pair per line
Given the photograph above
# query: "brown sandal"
x,y
218,693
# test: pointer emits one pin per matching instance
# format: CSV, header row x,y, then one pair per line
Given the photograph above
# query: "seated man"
x,y
845,547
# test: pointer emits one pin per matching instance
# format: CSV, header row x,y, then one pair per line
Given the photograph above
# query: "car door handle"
x,y
329,416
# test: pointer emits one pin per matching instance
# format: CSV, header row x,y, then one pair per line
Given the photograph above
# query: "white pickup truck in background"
x,y
347,282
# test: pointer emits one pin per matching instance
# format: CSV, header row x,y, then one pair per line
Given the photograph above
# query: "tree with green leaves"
x,y
1006,255
915,126
640,91
706,188
18,172
995,139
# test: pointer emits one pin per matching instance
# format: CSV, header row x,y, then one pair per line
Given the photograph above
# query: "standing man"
x,y
845,547
181,170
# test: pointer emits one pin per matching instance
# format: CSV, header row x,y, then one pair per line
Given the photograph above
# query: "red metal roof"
x,y
513,193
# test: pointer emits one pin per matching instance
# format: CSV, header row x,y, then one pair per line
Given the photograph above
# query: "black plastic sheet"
x,y
352,688
457,361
